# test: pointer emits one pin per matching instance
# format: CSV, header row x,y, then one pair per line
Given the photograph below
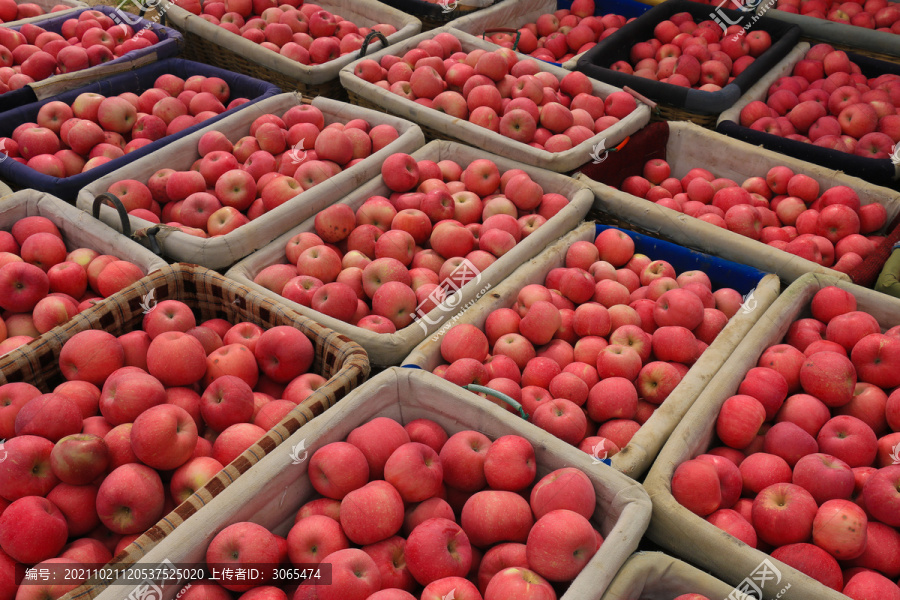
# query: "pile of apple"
x,y
807,468
498,91
43,285
303,32
829,103
784,210
559,36
140,423
92,38
11,11
880,15
407,513
398,257
95,129
233,183
593,352
695,55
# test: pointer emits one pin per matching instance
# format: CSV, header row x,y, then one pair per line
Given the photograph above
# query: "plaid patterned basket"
x,y
343,362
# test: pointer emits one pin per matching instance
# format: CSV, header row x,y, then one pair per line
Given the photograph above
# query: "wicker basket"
x,y
676,103
880,171
519,13
687,146
20,176
77,229
169,45
210,295
46,5
689,536
389,349
438,125
880,45
220,252
274,490
205,42
636,457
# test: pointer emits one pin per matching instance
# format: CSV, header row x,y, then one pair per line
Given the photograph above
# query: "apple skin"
x,y
131,499
79,459
813,561
840,528
42,538
313,538
493,516
438,548
579,495
372,513
338,468
377,440
783,513
518,582
415,470
881,497
242,544
560,545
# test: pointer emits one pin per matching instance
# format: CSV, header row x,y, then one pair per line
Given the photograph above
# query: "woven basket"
x,y
210,295
220,252
169,45
862,51
46,5
276,488
636,457
685,147
438,125
205,42
21,176
879,171
880,45
688,535
677,103
388,349
521,12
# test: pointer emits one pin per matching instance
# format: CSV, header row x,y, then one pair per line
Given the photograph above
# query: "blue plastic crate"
x,y
20,176
170,44
721,272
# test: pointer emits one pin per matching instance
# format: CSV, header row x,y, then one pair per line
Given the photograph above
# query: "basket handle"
x,y
642,98
499,395
504,30
112,200
365,45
